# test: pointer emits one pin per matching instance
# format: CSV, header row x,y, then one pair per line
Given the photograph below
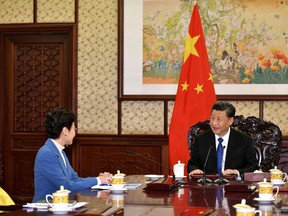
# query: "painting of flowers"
x,y
247,40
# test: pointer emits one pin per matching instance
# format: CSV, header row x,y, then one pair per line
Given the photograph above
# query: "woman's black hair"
x,y
57,119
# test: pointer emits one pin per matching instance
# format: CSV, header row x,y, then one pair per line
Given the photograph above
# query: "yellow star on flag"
x,y
199,88
210,77
190,46
185,86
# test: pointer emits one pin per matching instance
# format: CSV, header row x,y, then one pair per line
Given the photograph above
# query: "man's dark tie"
x,y
219,156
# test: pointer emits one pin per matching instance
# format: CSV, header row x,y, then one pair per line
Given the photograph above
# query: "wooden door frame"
x,y
52,28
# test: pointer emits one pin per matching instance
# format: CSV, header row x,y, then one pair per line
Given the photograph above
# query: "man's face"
x,y
220,123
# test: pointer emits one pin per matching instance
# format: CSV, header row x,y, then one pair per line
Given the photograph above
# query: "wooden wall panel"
x,y
98,154
283,163
23,152
92,154
99,158
23,174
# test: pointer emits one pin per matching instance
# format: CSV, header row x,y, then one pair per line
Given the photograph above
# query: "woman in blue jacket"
x,y
52,168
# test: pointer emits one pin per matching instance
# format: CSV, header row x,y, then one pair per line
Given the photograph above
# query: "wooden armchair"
x,y
266,138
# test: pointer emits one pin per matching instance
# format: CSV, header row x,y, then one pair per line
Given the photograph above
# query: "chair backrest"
x,y
266,138
5,199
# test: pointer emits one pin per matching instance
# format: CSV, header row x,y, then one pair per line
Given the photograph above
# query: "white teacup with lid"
x,y
117,181
60,199
178,169
265,190
277,177
245,210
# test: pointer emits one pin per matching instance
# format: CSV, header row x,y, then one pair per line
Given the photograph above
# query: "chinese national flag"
x,y
195,94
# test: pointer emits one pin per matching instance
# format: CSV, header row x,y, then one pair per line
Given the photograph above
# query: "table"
x,y
188,199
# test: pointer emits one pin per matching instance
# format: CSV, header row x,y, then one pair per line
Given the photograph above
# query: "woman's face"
x,y
70,134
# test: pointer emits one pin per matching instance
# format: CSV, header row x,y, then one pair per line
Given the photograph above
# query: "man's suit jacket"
x,y
50,173
240,155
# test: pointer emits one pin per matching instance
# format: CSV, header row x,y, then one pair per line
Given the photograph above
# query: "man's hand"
x,y
231,172
195,172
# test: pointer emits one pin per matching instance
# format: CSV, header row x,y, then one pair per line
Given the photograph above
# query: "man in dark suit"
x,y
238,154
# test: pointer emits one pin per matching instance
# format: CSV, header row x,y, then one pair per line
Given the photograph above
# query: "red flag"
x,y
195,94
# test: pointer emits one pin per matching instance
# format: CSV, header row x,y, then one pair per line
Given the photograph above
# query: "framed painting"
x,y
247,44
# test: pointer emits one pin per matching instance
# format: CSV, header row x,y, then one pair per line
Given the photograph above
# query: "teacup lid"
x,y
275,170
264,182
119,174
179,163
62,190
242,205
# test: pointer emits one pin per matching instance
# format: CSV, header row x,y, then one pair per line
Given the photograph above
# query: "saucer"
x,y
279,184
154,177
118,191
101,187
180,177
60,211
264,200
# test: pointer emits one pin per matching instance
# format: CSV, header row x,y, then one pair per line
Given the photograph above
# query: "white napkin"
x,y
36,205
258,171
45,206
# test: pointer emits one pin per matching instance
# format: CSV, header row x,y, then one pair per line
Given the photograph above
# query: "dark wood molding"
x,y
166,121
219,97
253,97
35,10
261,109
120,48
76,8
37,27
